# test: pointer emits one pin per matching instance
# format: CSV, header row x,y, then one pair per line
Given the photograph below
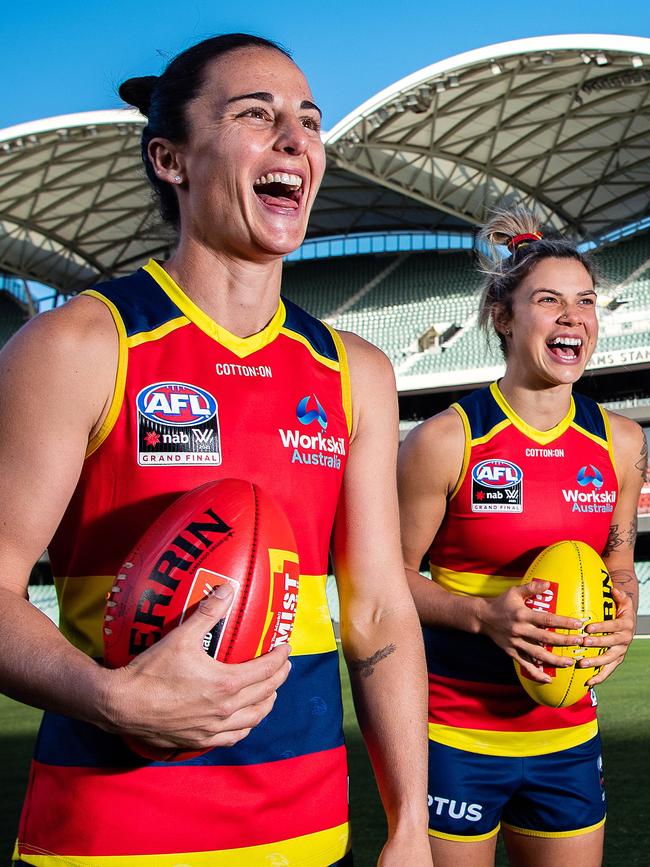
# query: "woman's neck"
x,y
542,406
241,296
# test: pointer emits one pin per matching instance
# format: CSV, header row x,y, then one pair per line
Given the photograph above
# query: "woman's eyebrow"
x,y
264,96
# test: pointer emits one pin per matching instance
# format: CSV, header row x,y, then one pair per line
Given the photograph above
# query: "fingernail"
x,y
587,642
223,591
577,624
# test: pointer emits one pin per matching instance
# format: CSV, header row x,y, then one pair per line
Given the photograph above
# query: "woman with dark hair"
x,y
497,759
145,387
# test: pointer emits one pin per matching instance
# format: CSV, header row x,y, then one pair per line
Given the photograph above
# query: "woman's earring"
x,y
177,179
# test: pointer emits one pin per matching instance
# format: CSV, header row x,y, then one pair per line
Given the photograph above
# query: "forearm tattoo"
x,y
626,581
366,667
614,540
642,463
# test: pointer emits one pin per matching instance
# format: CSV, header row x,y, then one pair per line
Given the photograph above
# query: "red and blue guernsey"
x,y
195,403
519,491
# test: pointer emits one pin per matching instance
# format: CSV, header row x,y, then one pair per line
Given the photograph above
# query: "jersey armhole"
x,y
608,435
466,450
346,391
120,376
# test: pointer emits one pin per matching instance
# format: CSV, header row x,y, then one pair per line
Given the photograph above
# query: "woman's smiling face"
x,y
254,160
553,329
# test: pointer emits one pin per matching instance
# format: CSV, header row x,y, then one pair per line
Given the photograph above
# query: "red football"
x,y
226,531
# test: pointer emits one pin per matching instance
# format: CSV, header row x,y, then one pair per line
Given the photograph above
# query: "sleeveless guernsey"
x,y
195,403
519,491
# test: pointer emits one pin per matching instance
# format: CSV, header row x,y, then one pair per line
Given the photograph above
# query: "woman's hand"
x,y
174,695
616,637
524,634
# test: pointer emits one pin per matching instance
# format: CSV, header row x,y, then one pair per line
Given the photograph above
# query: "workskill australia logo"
x,y
497,486
316,413
307,446
589,475
589,496
178,424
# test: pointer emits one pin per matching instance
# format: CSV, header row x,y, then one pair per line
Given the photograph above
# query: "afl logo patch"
x,y
178,424
176,403
497,486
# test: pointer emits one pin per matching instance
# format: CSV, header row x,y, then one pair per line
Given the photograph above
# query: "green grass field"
x,y
625,723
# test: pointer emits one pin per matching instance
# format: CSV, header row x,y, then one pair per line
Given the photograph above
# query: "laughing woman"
x,y
495,757
233,149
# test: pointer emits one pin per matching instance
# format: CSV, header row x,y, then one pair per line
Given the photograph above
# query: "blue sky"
x,y
69,56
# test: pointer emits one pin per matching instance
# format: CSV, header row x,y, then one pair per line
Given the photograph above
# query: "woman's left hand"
x,y
616,637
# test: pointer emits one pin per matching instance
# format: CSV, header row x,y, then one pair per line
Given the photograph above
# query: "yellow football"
x,y
580,587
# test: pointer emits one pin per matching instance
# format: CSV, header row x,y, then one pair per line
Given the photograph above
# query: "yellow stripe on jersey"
x,y
312,630
81,610
82,614
513,744
502,425
605,443
608,434
346,390
157,333
467,449
543,437
551,834
120,376
472,583
311,850
294,335
240,346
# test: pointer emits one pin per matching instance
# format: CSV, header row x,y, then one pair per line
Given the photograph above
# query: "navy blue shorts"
x,y
554,795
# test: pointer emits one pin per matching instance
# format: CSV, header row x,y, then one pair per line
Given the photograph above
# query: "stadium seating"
x,y
437,289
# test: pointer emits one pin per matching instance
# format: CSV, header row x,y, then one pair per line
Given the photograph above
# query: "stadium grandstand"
x,y
557,123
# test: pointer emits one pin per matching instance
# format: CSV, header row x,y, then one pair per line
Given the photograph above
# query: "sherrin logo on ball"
x,y
228,531
579,587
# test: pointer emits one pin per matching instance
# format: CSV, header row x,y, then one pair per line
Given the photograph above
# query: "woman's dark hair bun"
x,y
137,92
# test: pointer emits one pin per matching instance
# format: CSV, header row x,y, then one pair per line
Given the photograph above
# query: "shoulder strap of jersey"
x,y
482,412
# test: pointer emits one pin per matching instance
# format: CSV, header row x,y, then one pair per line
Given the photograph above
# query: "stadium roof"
x,y
559,122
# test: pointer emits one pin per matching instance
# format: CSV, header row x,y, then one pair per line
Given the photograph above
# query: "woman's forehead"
x,y
254,69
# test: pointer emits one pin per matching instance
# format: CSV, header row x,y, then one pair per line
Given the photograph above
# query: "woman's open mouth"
x,y
279,190
567,350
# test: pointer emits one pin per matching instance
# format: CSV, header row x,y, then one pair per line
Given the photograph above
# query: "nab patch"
x,y
497,486
178,424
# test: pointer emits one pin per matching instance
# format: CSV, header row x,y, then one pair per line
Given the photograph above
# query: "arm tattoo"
x,y
614,540
642,463
631,534
366,667
626,581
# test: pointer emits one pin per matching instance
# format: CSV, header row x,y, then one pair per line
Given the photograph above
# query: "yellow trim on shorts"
x,y
513,744
462,838
471,583
120,375
346,389
467,448
82,614
310,850
555,834
240,346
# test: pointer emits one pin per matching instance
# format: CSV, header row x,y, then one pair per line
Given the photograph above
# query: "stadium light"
x,y
547,58
453,81
440,87
601,59
586,58
495,67
636,61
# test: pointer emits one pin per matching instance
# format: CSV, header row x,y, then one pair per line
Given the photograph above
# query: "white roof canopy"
x,y
560,122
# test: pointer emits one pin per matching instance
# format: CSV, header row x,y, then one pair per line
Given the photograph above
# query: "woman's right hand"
x,y
524,633
174,695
